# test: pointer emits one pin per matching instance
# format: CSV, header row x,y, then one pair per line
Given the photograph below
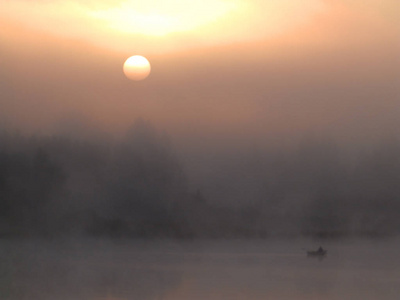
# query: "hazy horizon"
x,y
269,107
333,70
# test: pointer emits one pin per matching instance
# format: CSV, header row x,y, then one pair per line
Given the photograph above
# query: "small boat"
x,y
320,252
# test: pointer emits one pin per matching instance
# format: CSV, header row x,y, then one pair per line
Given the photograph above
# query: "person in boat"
x,y
320,252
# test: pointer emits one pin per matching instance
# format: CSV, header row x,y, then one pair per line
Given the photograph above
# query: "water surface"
x,y
88,269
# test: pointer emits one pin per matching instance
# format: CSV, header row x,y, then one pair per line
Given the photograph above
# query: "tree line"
x,y
137,187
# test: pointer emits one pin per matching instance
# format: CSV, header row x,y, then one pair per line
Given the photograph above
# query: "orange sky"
x,y
159,26
239,69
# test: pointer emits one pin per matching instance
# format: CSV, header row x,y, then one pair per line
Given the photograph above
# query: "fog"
x,y
141,184
209,269
260,134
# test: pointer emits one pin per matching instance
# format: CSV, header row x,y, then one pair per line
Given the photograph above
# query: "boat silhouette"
x,y
320,252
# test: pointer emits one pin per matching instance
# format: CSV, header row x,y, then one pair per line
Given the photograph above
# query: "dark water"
x,y
170,270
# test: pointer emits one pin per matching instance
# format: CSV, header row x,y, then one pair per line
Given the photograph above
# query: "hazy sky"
x,y
231,68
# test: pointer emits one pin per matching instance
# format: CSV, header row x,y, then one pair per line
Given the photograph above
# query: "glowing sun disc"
x,y
137,67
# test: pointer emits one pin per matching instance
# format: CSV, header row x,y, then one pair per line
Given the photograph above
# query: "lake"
x,y
90,269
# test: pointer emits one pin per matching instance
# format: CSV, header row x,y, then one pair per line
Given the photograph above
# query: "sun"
x,y
137,68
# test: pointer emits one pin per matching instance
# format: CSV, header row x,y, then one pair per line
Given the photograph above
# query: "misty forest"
x,y
141,185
